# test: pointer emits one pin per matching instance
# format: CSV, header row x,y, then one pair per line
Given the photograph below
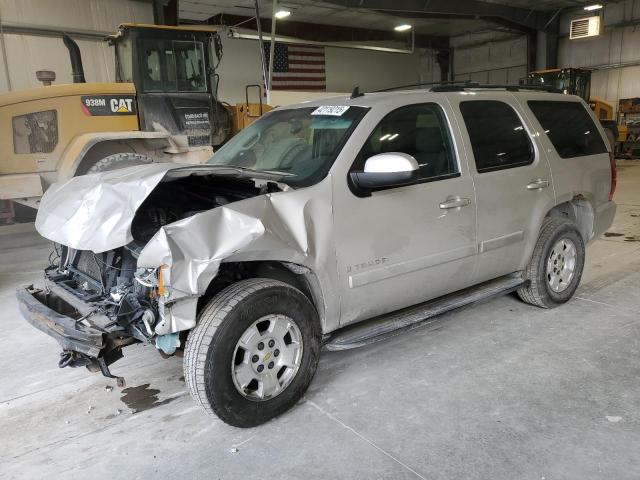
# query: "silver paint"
x,y
323,231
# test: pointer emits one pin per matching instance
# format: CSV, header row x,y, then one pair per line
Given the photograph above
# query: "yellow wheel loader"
x,y
577,81
163,107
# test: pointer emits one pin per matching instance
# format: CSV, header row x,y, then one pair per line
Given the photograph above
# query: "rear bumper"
x,y
42,310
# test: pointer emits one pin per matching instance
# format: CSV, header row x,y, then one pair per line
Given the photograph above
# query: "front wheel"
x,y
253,352
555,268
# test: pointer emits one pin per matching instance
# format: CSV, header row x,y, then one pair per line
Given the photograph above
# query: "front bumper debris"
x,y
37,307
82,345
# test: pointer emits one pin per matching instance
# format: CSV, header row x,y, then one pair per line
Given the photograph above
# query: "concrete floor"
x,y
502,391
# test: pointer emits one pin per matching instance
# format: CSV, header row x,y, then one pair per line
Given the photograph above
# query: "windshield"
x,y
301,144
172,66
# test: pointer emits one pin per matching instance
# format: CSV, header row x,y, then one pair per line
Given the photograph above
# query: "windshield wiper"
x,y
246,169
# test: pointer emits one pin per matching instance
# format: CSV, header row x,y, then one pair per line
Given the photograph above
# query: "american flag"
x,y
297,67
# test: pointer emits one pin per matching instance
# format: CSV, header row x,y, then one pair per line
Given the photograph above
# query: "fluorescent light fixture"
x,y
590,8
280,14
402,28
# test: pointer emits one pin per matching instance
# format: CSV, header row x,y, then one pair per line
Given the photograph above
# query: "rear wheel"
x,y
555,268
118,160
253,352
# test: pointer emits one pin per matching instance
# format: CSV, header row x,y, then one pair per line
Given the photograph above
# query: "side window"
x,y
497,135
569,127
418,130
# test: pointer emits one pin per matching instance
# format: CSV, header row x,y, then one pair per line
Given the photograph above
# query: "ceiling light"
x,y
280,14
402,28
590,8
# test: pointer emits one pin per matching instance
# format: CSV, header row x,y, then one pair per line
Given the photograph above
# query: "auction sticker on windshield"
x,y
335,110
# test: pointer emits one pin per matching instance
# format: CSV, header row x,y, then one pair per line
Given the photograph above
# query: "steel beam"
x,y
526,20
328,33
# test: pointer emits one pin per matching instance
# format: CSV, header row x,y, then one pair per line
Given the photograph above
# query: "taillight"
x,y
614,175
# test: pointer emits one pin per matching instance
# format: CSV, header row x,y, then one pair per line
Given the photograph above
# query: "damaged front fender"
x,y
291,227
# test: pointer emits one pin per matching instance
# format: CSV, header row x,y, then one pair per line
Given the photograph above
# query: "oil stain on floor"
x,y
142,398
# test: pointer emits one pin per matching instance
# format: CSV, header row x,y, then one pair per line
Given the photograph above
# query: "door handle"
x,y
455,202
538,184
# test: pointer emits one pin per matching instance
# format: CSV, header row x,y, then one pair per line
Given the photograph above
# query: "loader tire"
x,y
117,161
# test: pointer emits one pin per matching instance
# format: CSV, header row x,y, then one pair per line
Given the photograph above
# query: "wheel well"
x,y
295,275
580,211
101,150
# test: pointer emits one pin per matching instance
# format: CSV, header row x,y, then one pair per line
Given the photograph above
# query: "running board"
x,y
385,326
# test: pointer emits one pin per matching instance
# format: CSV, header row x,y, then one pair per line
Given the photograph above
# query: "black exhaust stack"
x,y
76,59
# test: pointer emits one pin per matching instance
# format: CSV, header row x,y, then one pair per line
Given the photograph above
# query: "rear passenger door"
x,y
512,181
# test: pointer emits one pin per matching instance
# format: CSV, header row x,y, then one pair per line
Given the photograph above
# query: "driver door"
x,y
404,245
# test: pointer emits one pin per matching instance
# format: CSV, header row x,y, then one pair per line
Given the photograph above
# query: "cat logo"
x,y
121,105
108,105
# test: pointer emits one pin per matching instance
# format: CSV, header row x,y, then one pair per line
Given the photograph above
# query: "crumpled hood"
x,y
95,212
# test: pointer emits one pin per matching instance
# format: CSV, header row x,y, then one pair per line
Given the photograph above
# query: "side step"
x,y
385,326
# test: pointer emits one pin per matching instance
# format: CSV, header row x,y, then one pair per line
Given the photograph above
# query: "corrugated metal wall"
x,y
618,44
27,53
490,58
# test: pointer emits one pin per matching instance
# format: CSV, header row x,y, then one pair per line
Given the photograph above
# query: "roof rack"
x,y
460,86
424,84
510,88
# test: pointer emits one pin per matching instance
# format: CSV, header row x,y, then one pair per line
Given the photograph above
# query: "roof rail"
x,y
426,84
509,88
460,86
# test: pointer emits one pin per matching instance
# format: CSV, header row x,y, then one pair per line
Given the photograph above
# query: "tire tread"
x,y
105,163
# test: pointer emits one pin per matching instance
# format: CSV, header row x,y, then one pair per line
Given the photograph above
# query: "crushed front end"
x,y
134,251
94,304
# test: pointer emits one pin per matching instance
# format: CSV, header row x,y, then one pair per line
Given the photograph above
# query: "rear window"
x,y
498,138
569,127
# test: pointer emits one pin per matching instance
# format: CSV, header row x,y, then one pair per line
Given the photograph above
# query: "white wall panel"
x,y
28,53
345,68
493,61
371,70
99,15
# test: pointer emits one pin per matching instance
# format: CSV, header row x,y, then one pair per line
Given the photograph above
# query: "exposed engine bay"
x,y
120,300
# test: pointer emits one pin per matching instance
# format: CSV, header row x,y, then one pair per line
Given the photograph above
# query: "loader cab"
x,y
572,81
172,69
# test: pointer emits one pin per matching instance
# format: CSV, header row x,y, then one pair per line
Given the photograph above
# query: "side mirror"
x,y
391,169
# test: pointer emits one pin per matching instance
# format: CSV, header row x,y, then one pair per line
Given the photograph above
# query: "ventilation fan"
x,y
585,27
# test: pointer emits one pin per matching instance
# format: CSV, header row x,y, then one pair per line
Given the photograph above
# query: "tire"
x,y
545,289
213,351
118,160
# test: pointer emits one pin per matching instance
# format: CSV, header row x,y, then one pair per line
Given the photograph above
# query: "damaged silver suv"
x,y
329,224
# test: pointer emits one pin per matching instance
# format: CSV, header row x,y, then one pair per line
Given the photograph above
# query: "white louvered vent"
x,y
585,27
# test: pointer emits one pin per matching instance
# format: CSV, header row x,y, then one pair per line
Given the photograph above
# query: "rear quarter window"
x,y
569,128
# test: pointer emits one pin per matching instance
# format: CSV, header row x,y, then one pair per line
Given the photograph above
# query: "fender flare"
x,y
75,152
